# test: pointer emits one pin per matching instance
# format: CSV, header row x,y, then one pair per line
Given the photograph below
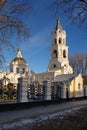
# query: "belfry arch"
x,y
60,40
55,54
64,53
17,70
55,41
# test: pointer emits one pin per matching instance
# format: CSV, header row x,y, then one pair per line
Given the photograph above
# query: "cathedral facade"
x,y
64,84
58,82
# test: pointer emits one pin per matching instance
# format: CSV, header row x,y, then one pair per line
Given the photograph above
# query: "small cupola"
x,y
19,64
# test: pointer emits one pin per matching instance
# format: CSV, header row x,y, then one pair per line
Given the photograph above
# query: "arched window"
x,y
55,41
17,70
55,54
65,65
23,70
60,40
64,53
54,66
79,86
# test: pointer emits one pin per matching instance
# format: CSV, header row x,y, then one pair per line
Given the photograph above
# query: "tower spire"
x,y
58,25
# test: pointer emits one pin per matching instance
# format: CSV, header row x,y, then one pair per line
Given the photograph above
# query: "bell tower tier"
x,y
59,51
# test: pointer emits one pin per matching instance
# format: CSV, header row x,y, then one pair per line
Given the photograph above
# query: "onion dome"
x,y
19,64
19,58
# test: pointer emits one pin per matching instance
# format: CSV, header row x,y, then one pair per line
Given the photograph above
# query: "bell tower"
x,y
59,51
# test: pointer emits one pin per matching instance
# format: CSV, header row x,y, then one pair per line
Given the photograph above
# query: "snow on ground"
x,y
38,119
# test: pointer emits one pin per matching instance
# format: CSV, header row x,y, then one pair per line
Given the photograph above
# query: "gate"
x,y
8,92
56,91
35,91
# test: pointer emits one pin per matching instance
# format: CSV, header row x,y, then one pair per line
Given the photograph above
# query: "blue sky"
x,y
41,22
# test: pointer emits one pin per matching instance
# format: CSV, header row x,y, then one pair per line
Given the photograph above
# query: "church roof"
x,y
20,60
64,77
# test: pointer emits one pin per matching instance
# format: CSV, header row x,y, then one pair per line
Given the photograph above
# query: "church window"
x,y
55,54
23,70
55,41
17,70
54,66
60,40
79,86
64,53
65,65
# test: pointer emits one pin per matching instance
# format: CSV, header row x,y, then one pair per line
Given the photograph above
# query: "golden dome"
x,y
19,60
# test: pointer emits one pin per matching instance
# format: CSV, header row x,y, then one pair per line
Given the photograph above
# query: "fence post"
x,y
47,90
22,90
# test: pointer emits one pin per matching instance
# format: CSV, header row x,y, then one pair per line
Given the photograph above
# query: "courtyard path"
x,y
12,116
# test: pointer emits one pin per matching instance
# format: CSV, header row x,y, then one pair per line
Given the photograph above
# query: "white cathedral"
x,y
59,80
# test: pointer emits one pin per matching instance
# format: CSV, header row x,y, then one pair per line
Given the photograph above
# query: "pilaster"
x,y
47,85
22,90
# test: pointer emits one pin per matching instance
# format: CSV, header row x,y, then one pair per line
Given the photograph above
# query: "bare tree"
x,y
2,2
79,63
11,12
85,80
76,10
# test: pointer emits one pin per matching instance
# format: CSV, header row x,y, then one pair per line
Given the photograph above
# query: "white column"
x,y
63,95
22,90
47,85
